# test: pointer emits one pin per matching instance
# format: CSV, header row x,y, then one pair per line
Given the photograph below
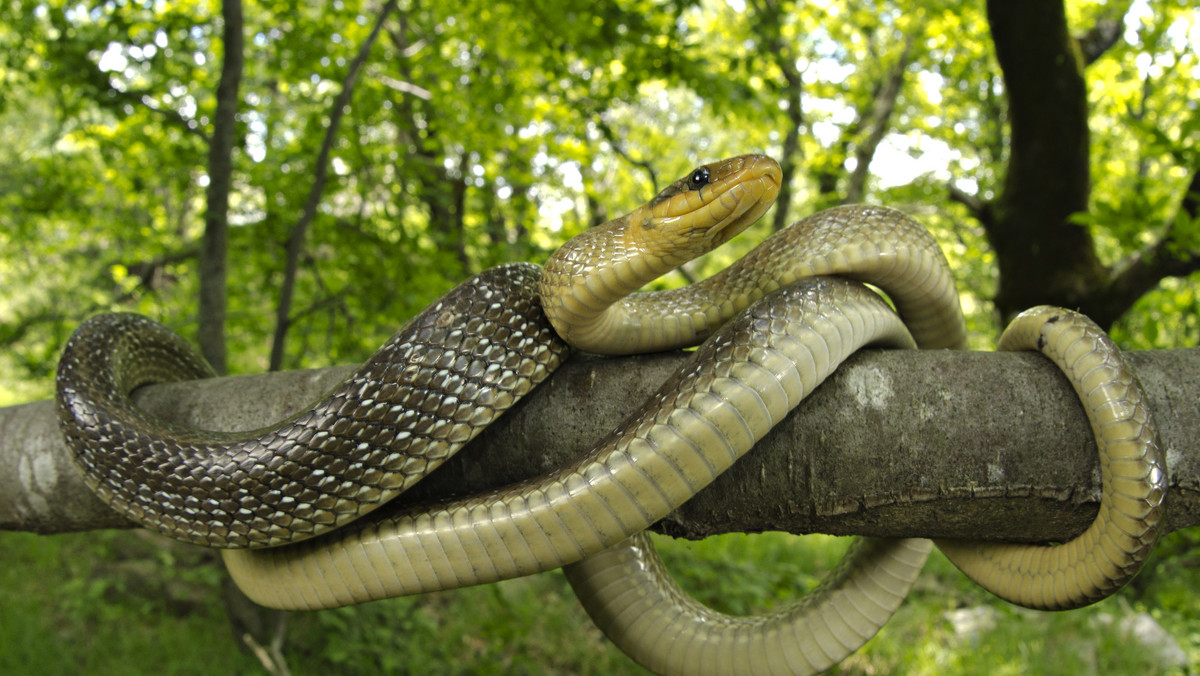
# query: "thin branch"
x,y
142,99
215,244
14,331
880,116
405,87
619,148
295,241
149,271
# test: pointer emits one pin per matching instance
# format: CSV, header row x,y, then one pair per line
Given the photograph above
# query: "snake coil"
x,y
774,325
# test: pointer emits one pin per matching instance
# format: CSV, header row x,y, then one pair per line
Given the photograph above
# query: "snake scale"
x,y
291,504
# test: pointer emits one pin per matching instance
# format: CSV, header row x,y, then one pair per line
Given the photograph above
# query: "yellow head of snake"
x,y
586,284
704,209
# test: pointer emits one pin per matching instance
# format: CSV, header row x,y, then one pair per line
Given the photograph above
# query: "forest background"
x,y
287,184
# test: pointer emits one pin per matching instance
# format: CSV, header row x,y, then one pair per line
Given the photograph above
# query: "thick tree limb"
x,y
979,209
954,444
1167,257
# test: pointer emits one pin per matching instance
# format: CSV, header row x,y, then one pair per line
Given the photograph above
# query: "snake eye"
x,y
699,178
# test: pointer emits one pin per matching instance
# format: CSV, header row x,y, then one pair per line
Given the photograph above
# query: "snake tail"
x,y
1133,477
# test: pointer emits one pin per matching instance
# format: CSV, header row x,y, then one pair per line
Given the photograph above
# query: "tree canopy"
x,y
398,147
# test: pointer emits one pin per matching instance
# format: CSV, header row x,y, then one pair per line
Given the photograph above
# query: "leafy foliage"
x,y
125,602
483,132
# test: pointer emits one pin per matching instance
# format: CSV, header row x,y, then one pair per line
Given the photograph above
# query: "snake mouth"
x,y
748,200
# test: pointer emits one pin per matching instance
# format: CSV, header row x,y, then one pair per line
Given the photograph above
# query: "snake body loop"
x,y
587,284
711,412
432,387
631,597
470,356
626,589
1133,477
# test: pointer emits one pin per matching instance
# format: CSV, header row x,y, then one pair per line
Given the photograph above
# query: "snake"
x,y
294,505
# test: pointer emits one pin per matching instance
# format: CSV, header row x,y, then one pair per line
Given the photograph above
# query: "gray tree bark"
x,y
214,250
932,444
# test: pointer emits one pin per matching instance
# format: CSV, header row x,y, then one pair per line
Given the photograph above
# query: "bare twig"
x,y
299,231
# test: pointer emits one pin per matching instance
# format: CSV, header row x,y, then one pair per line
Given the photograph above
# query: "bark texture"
x,y
936,444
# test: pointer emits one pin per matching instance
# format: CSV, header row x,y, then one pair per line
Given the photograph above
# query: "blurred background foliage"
x,y
482,132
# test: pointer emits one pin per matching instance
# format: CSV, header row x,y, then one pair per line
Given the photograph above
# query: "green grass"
x,y
73,607
131,603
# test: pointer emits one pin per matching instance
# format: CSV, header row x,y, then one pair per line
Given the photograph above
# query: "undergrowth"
x,y
130,603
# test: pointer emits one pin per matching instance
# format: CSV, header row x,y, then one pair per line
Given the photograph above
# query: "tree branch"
x,y
1167,257
614,142
215,244
150,272
142,99
768,23
13,332
300,230
979,209
879,119
1099,39
946,444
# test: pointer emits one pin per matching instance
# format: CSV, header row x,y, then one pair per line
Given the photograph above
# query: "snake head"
x,y
706,208
585,283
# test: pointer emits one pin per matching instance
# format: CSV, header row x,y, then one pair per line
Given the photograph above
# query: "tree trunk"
x,y
214,251
1042,256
